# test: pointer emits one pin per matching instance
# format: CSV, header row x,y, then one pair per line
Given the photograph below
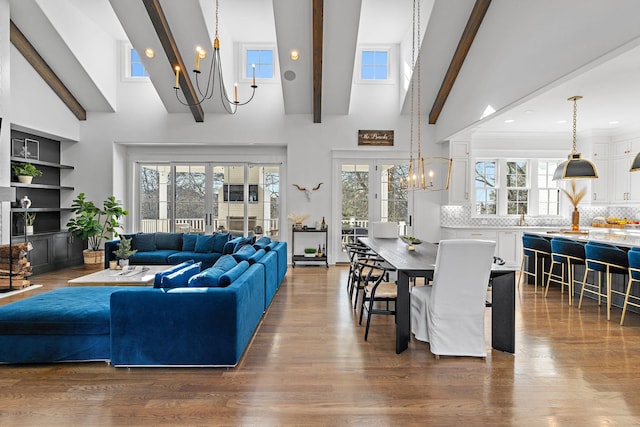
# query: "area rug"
x,y
19,291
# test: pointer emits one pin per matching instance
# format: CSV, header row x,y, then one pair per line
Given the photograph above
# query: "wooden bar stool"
x,y
538,248
603,259
566,254
634,276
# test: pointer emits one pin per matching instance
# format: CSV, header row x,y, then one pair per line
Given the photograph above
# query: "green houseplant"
x,y
25,172
95,224
309,252
124,251
29,220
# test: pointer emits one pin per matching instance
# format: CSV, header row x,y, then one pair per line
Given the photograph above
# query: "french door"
x,y
371,191
208,197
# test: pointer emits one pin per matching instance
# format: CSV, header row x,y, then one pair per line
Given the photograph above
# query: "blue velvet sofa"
x,y
193,316
173,248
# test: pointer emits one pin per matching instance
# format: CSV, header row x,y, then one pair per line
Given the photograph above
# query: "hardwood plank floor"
x,y
309,365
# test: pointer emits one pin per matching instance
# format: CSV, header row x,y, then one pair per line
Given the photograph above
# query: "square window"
x,y
137,68
263,61
374,65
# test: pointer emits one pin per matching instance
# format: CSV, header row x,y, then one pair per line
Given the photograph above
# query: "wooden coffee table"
x,y
136,275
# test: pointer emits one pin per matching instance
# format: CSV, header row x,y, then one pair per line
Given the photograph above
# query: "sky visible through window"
x,y
137,69
374,65
263,60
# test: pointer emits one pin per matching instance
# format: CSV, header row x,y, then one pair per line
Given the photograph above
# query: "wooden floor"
x,y
309,365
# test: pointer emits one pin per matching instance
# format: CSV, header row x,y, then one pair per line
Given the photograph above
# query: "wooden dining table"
x,y
420,262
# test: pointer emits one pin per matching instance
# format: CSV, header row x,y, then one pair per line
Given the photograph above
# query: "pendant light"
x,y
635,166
575,167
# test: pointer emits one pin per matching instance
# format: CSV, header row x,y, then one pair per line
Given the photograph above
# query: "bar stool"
x,y
634,276
567,254
538,248
607,259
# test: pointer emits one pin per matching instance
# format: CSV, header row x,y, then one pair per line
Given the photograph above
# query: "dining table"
x,y
420,262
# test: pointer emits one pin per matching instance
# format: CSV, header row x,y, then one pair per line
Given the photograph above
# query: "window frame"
x,y
486,189
391,72
243,63
126,65
517,188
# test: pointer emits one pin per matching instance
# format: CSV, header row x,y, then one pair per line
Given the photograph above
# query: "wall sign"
x,y
375,137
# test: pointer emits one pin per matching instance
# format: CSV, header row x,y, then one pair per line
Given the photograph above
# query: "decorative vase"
x,y
123,262
575,219
29,230
25,179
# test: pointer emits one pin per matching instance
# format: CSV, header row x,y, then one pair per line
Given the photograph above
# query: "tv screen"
x,y
235,193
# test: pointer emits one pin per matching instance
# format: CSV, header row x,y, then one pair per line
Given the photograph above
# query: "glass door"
x,y
371,191
207,197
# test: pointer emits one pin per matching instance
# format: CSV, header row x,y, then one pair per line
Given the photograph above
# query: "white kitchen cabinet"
x,y
510,246
600,194
626,185
459,184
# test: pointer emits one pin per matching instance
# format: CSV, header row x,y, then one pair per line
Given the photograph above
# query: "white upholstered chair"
x,y
449,314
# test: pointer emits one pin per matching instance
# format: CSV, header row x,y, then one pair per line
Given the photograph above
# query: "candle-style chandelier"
x,y
439,168
215,80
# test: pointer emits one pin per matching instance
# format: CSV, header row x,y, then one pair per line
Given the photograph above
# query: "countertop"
x,y
614,236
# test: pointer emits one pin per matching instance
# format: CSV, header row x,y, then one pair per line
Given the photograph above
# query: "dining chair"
x,y
378,289
449,314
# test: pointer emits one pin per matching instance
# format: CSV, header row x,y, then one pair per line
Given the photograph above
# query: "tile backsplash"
x,y
460,216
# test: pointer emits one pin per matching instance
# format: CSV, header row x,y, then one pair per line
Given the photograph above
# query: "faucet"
x,y
522,221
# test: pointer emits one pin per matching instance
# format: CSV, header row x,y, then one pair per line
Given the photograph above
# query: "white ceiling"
x,y
609,88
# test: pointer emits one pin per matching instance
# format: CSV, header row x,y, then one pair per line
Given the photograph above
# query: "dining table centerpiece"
x,y
411,242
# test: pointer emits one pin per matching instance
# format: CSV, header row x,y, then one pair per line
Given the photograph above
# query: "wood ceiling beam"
x,y
469,33
318,10
159,21
48,75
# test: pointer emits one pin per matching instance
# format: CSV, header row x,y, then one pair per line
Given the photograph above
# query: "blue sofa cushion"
x,y
210,277
219,240
226,262
228,278
207,260
172,241
144,242
180,278
189,242
204,244
244,253
262,242
82,310
230,246
271,246
157,280
256,256
158,257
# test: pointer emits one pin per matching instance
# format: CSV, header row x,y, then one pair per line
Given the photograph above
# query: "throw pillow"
x,y
244,253
230,276
209,278
180,278
204,244
230,246
144,242
262,243
219,240
157,280
225,262
271,246
189,242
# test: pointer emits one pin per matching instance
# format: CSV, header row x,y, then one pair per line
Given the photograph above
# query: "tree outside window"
x,y
517,189
485,188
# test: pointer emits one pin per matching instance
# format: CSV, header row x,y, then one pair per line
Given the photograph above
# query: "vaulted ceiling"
x,y
78,41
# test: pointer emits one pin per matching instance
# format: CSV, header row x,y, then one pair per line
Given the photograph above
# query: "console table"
x,y
302,258
421,263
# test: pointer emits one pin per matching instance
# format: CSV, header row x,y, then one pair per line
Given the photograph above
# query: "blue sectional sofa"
x,y
193,316
173,248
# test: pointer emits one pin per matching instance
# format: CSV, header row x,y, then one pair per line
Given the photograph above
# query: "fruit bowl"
x,y
410,241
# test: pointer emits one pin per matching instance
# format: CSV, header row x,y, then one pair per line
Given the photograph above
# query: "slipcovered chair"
x,y
449,314
634,276
604,259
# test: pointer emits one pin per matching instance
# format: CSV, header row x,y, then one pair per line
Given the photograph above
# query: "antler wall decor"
x,y
307,192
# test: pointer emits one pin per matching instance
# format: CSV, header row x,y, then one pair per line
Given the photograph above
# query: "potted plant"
x,y
124,251
29,219
310,252
95,224
25,172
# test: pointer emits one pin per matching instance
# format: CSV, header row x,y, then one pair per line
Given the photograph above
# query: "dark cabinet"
x,y
52,251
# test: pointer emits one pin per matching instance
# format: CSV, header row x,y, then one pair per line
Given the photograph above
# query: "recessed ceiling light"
x,y
294,55
561,122
149,52
529,112
614,122
509,121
